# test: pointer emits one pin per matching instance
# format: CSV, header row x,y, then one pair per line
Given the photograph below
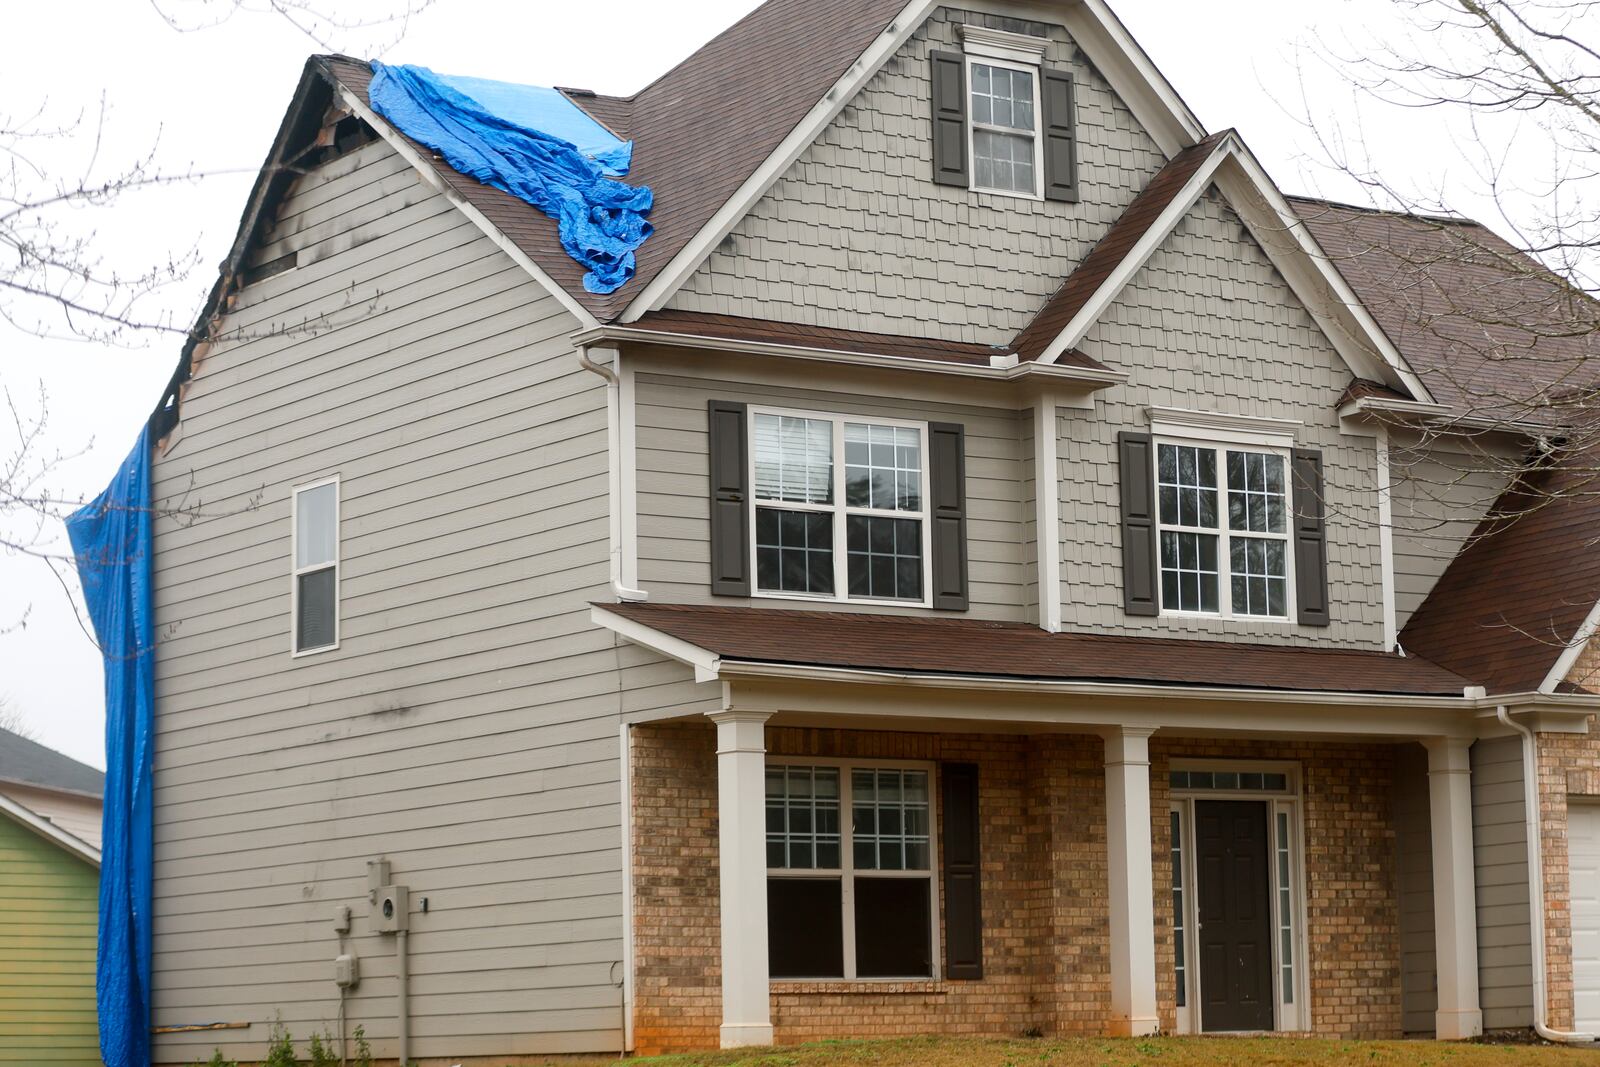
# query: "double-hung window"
x,y
1005,126
850,859
1223,514
315,590
840,507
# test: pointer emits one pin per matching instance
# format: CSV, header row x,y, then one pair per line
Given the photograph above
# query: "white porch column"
x,y
1455,916
1133,921
742,851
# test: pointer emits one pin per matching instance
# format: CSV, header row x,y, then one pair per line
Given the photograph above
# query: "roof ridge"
x,y
1367,209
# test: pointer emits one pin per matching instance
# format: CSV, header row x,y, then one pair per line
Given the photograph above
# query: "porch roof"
x,y
978,648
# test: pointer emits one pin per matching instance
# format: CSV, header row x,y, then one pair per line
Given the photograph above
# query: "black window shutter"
x,y
963,896
1138,524
947,512
1060,139
1310,539
949,119
730,527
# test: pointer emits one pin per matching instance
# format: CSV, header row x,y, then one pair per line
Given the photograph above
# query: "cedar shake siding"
x,y
1208,324
857,234
466,725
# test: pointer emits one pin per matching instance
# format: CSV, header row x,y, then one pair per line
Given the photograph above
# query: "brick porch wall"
x,y
1569,766
1046,967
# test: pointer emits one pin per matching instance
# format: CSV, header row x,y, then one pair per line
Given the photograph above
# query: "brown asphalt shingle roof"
x,y
919,644
1511,600
734,327
1489,331
1113,248
699,131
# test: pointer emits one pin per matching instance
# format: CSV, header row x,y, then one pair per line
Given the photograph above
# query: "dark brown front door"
x,y
1235,915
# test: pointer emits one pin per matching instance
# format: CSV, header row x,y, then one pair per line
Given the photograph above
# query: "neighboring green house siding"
x,y
48,911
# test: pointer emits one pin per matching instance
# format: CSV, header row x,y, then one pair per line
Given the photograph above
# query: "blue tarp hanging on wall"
x,y
515,138
111,540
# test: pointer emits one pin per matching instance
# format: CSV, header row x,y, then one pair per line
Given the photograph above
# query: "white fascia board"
x,y
672,277
707,665
1084,377
1152,239
49,830
1282,234
1112,50
476,217
1569,655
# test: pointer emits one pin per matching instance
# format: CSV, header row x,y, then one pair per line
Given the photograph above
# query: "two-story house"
x,y
999,566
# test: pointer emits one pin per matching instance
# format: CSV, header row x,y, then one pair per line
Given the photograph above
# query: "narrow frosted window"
x,y
316,567
1180,962
1285,913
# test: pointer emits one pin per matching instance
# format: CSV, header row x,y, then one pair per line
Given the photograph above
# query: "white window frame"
x,y
846,872
839,510
295,570
1288,1017
1221,448
1033,70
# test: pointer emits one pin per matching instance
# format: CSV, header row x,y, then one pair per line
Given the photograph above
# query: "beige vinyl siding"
x,y
1419,979
49,907
467,725
1500,860
1440,489
856,234
674,510
76,814
1209,325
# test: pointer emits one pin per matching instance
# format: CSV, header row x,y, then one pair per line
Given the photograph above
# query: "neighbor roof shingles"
x,y
30,763
911,643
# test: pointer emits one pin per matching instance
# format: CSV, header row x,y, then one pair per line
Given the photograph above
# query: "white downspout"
x,y
614,480
1536,904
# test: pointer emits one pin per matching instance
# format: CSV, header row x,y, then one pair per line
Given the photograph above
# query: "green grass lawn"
x,y
1146,1052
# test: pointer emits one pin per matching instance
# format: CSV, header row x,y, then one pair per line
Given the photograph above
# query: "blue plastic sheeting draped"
x,y
111,540
602,222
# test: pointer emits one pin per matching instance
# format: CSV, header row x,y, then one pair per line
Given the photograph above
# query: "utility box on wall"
x,y
389,909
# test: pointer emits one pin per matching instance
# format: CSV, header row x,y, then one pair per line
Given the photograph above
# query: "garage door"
x,y
1583,836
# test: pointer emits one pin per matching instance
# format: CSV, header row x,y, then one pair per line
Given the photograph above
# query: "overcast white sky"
x,y
214,100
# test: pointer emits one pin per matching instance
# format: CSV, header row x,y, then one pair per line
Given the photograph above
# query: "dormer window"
x,y
1005,132
1002,118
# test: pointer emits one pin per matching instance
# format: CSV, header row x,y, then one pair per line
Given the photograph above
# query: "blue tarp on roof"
x,y
111,540
535,144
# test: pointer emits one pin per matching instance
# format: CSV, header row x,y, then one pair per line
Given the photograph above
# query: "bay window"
x,y
839,507
850,871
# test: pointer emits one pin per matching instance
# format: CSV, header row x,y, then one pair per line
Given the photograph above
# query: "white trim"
x,y
1574,648
1031,69
1009,370
1455,911
671,277
840,509
985,43
1130,882
296,571
1111,50
1224,534
1213,427
741,859
1391,625
707,665
477,218
1153,238
629,956
32,820
1047,513
846,871
1362,343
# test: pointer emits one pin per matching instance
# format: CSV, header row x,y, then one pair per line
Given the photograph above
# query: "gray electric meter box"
x,y
390,908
